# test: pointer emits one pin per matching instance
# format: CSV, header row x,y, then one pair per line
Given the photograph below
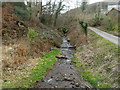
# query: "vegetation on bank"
x,y
105,23
97,62
32,74
31,34
25,39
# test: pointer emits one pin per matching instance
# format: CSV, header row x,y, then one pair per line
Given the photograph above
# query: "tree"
x,y
77,4
49,7
98,11
84,5
40,6
60,7
35,7
83,24
83,8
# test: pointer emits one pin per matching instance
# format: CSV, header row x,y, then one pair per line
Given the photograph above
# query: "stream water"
x,y
64,74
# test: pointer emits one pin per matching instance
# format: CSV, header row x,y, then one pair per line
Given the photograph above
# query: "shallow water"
x,y
63,75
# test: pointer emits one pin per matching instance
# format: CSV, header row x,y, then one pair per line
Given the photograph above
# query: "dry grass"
x,y
15,54
21,51
76,34
11,76
100,57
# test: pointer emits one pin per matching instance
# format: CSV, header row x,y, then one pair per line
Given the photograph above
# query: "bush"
x,y
18,4
63,29
97,20
42,19
31,34
115,27
84,25
23,14
108,24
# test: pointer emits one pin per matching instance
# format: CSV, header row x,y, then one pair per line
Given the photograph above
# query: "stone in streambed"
x,y
60,56
67,79
55,86
77,84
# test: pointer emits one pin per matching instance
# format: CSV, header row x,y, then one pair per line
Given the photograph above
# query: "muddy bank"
x,y
64,74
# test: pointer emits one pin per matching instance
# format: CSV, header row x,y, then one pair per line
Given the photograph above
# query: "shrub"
x,y
42,19
18,4
31,34
108,24
97,20
84,26
115,27
23,14
63,29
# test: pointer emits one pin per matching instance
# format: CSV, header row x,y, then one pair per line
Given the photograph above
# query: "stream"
x,y
64,74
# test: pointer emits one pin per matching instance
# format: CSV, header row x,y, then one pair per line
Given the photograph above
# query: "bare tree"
x,y
84,5
83,8
60,7
77,3
83,23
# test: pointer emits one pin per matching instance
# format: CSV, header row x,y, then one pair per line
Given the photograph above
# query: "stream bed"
x,y
64,74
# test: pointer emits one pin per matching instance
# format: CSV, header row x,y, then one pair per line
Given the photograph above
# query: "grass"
x,y
44,64
94,80
97,61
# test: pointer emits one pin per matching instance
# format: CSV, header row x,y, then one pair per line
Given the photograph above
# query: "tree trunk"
x,y
57,12
56,16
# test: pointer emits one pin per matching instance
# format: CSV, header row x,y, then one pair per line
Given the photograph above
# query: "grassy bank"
x,y
26,76
97,62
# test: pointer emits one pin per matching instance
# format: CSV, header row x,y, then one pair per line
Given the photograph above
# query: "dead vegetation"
x,y
15,55
17,48
10,25
76,34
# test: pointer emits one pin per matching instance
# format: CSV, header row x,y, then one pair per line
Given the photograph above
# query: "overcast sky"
x,y
93,1
73,3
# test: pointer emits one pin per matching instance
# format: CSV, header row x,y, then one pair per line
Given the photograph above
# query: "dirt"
x,y
64,74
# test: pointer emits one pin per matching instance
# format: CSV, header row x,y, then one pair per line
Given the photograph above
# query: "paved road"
x,y
107,36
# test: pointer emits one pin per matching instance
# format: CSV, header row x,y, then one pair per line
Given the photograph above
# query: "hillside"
x,y
43,48
23,40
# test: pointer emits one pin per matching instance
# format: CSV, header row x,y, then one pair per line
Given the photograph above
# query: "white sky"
x,y
72,3
93,1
